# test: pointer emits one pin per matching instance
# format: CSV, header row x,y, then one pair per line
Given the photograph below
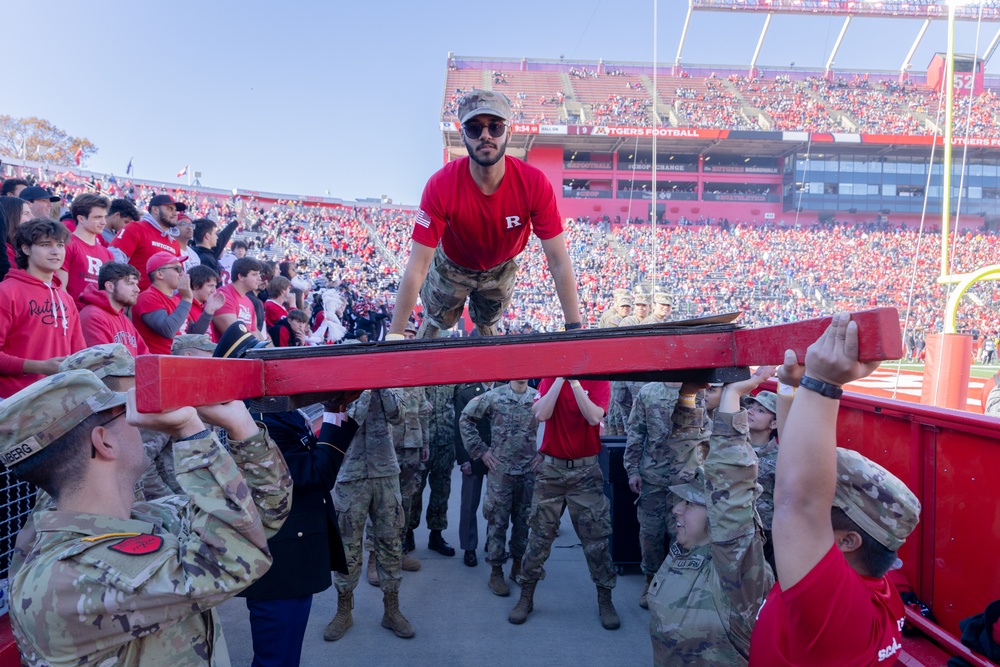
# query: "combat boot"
x,y
437,543
643,602
609,617
409,563
372,574
515,569
393,619
497,583
336,628
525,605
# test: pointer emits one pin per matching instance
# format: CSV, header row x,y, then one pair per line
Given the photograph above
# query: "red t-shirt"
x,y
480,231
567,433
833,617
149,301
237,305
140,240
197,308
273,311
82,264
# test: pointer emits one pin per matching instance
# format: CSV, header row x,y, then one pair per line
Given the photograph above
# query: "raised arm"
x,y
592,412
561,268
807,459
409,285
546,403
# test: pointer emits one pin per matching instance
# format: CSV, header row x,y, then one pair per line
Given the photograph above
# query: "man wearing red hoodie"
x,y
84,254
39,323
103,316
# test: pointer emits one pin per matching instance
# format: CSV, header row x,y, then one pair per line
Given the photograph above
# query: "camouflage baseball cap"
x,y
662,298
621,291
192,342
640,298
478,101
875,499
624,300
768,399
694,490
43,412
107,360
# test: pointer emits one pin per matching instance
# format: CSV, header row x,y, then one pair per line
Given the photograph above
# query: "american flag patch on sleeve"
x,y
423,219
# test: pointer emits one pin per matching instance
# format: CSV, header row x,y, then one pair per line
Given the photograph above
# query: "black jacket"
x,y
210,256
464,393
308,546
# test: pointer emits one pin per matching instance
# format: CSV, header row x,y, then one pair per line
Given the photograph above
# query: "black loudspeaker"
x,y
624,538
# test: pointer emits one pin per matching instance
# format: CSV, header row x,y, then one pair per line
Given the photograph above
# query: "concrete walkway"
x,y
459,622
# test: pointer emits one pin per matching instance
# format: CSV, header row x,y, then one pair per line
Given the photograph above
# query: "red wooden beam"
x,y
946,641
170,382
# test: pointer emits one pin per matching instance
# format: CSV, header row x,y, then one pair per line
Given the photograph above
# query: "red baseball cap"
x,y
162,259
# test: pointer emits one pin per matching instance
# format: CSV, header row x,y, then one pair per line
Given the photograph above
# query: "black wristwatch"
x,y
823,388
570,326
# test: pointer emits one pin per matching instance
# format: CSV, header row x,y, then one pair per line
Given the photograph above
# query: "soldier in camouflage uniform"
x,y
511,478
368,487
762,419
992,408
706,595
661,309
411,452
604,321
441,436
654,460
640,310
110,581
614,423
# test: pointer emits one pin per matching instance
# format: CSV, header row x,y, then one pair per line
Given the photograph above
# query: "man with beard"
x,y
475,217
103,317
155,232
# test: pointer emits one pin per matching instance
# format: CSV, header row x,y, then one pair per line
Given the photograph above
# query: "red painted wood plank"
x,y
944,639
879,338
165,383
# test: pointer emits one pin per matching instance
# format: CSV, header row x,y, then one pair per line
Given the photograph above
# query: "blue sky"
x,y
345,97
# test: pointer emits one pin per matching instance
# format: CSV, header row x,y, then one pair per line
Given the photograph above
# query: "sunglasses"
x,y
475,130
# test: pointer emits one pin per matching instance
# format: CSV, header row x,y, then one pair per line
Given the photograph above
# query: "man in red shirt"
x,y
84,254
103,316
568,474
839,520
476,215
276,305
245,278
161,311
155,232
39,324
204,284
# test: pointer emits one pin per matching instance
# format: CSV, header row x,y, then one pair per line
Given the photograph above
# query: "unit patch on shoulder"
x,y
140,545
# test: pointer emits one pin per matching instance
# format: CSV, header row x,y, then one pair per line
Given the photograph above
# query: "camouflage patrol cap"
x,y
107,360
478,101
43,412
767,399
662,298
694,490
620,291
875,499
640,298
624,300
192,342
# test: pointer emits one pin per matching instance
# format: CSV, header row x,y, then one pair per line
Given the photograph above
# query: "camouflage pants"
x,y
655,523
614,424
582,489
409,480
508,499
438,471
447,287
376,498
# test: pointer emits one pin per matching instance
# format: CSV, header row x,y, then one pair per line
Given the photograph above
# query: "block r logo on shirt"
x,y
513,221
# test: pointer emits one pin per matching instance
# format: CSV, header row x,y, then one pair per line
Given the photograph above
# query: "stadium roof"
x,y
986,10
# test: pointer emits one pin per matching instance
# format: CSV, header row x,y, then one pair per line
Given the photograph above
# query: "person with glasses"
x,y
476,216
186,228
161,311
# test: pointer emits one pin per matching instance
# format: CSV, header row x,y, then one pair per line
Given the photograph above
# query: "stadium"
x,y
781,193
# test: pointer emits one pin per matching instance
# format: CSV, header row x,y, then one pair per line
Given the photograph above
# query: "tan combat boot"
x,y
336,628
643,602
372,573
525,605
393,619
497,583
409,563
609,617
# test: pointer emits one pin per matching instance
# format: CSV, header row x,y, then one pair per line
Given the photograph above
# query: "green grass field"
x,y
977,371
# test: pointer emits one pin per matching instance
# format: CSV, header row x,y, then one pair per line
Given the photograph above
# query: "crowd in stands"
x,y
714,107
621,110
788,105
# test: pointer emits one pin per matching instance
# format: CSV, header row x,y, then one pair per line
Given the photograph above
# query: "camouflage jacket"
x,y
651,450
371,453
767,464
408,432
993,403
653,319
441,422
513,427
630,321
703,601
98,590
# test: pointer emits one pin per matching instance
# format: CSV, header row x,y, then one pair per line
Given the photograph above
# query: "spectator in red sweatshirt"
x,y
206,301
245,278
276,305
103,315
84,254
39,323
